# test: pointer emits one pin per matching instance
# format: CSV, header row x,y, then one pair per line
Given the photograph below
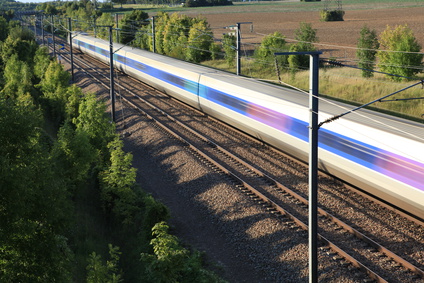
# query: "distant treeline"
x,y
205,3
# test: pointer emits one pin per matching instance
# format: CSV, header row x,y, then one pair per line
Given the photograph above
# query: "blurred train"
x,y
380,154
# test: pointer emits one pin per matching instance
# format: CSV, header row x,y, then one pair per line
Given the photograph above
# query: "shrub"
x,y
332,16
366,53
171,262
394,58
305,36
229,46
271,44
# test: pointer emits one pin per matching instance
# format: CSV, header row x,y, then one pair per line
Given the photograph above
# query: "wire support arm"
x,y
369,103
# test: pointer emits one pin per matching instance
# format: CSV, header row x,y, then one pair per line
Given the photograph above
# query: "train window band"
x,y
395,166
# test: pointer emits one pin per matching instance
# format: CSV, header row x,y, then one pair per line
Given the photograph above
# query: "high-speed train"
x,y
378,153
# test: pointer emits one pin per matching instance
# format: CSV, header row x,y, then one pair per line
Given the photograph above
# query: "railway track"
x,y
351,226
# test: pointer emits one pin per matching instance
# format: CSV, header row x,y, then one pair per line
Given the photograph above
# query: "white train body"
x,y
377,153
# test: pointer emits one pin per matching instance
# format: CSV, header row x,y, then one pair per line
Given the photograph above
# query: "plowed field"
x,y
270,18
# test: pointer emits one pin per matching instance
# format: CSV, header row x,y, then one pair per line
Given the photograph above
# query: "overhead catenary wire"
x,y
247,58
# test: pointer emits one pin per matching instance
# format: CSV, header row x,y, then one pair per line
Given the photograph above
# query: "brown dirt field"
x,y
344,33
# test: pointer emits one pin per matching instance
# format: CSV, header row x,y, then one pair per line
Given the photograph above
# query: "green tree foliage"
x,y
305,36
75,96
121,2
270,44
18,79
130,24
200,39
154,212
73,154
102,31
93,120
205,3
181,37
331,15
394,57
99,272
20,41
175,35
49,8
229,46
84,12
162,20
170,262
367,50
34,206
118,183
42,61
54,87
4,28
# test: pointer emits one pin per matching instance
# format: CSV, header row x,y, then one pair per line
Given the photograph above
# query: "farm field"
x,y
285,16
344,33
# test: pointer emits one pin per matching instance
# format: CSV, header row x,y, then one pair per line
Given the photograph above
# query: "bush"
x,y
229,46
397,60
171,262
367,50
332,16
271,44
305,36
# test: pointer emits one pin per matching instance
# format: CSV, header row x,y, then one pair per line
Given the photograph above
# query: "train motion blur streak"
x,y
375,152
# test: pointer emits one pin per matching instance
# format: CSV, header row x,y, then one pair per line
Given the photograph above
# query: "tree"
x,y
229,46
271,43
175,35
167,263
170,262
42,61
400,52
120,2
20,41
130,24
4,28
367,50
98,272
118,182
73,154
200,39
305,36
34,204
54,87
93,120
106,19
17,76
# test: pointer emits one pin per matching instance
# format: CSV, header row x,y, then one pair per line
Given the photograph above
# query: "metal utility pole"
x,y
153,34
238,49
54,45
35,25
313,161
70,46
94,26
117,27
313,167
238,46
112,90
42,28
